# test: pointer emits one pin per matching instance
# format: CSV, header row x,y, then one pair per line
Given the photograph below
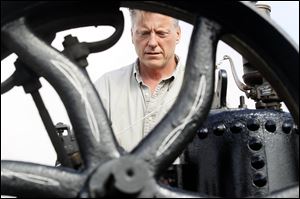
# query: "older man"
x,y
136,97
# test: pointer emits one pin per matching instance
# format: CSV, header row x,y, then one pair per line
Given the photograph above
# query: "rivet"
x,y
237,127
270,126
257,162
260,179
286,127
255,144
253,124
219,129
295,129
202,133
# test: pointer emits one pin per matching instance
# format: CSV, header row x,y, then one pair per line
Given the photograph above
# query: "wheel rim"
x,y
89,147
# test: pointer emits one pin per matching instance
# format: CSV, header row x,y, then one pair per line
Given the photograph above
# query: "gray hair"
x,y
133,13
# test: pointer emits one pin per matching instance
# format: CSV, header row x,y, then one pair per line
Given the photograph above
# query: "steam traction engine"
x,y
222,152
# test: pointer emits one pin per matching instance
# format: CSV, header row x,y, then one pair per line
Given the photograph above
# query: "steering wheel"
x,y
27,28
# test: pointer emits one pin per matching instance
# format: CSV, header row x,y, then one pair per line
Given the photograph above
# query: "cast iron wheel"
x,y
107,171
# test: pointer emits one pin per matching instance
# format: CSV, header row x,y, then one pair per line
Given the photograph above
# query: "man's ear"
x,y
131,35
178,32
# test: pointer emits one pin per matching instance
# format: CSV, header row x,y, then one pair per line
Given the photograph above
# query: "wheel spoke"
x,y
27,179
169,138
129,176
82,102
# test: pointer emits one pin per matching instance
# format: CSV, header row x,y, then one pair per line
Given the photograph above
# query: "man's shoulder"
x,y
117,74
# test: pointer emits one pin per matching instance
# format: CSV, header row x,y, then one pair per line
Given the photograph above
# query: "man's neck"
x,y
153,76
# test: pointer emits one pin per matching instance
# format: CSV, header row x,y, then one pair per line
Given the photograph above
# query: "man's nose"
x,y
152,40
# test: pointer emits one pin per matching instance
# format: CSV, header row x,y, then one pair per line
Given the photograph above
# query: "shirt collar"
x,y
136,71
138,77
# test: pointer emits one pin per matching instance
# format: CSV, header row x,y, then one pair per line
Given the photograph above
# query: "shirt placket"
x,y
152,107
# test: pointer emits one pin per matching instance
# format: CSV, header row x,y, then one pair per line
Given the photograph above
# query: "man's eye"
x,y
144,33
162,34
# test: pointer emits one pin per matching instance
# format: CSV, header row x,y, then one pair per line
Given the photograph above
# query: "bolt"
x,y
286,127
260,179
253,124
255,144
70,40
270,126
202,133
219,129
242,102
237,127
295,129
257,162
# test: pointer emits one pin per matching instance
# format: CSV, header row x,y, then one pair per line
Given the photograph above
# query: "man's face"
x,y
154,37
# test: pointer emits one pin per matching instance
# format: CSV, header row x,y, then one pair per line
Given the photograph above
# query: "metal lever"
x,y
243,87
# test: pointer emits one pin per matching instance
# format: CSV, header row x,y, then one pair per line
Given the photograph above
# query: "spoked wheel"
x,y
27,29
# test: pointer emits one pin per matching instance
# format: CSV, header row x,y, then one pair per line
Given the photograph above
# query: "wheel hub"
x,y
127,176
